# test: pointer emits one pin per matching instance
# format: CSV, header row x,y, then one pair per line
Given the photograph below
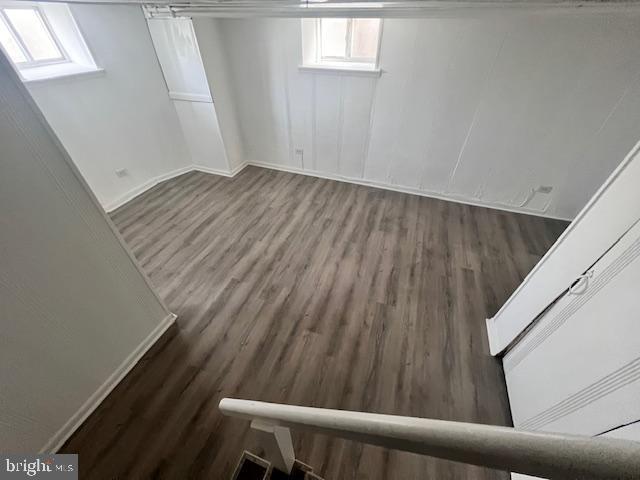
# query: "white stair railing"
x,y
545,455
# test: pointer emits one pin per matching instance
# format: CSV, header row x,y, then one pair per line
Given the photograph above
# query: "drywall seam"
x,y
314,123
405,83
604,123
285,87
372,110
340,125
481,96
87,408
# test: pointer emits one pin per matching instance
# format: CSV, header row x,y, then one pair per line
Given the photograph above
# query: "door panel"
x,y
577,370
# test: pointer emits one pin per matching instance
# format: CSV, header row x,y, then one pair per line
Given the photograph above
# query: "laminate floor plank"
x,y
307,291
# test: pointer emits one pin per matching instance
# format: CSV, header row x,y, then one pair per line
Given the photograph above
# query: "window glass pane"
x,y
364,38
10,45
334,37
34,33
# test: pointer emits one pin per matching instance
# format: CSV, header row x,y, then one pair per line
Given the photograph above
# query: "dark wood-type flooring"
x,y
311,292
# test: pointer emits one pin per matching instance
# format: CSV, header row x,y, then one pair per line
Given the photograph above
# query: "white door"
x,y
610,212
578,369
177,49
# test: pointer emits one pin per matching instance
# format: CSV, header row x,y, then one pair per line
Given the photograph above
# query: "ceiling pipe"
x,y
361,8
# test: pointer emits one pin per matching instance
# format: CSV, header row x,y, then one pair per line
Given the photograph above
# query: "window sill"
x,y
351,69
60,71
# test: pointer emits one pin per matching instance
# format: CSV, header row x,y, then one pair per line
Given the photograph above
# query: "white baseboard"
x,y
225,173
140,189
401,189
238,168
329,176
213,171
62,435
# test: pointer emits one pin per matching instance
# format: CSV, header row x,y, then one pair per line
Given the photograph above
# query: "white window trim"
x,y
312,62
70,40
31,63
346,58
60,71
343,69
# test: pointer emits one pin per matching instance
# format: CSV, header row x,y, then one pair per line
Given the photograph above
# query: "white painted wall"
x,y
480,110
122,118
76,311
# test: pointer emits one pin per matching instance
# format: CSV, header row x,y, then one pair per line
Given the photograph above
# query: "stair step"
x,y
300,471
296,474
302,466
252,467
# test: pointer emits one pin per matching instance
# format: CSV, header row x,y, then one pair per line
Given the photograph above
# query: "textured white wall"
x,y
75,311
473,109
121,119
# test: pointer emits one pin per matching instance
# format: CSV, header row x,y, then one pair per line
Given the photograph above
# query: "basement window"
x,y
347,44
42,41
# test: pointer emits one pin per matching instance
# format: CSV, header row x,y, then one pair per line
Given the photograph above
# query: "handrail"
x,y
546,455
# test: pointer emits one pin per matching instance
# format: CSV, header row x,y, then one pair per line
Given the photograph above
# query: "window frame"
x,y
347,60
31,62
67,36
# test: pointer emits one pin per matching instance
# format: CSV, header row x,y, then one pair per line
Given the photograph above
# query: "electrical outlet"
x,y
122,172
544,188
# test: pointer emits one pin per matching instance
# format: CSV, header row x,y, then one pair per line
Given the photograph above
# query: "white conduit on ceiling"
x,y
352,8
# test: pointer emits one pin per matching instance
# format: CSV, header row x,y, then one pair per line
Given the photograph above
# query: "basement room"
x,y
282,239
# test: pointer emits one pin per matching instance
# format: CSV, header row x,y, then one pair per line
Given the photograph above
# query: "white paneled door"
x,y
578,369
178,52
